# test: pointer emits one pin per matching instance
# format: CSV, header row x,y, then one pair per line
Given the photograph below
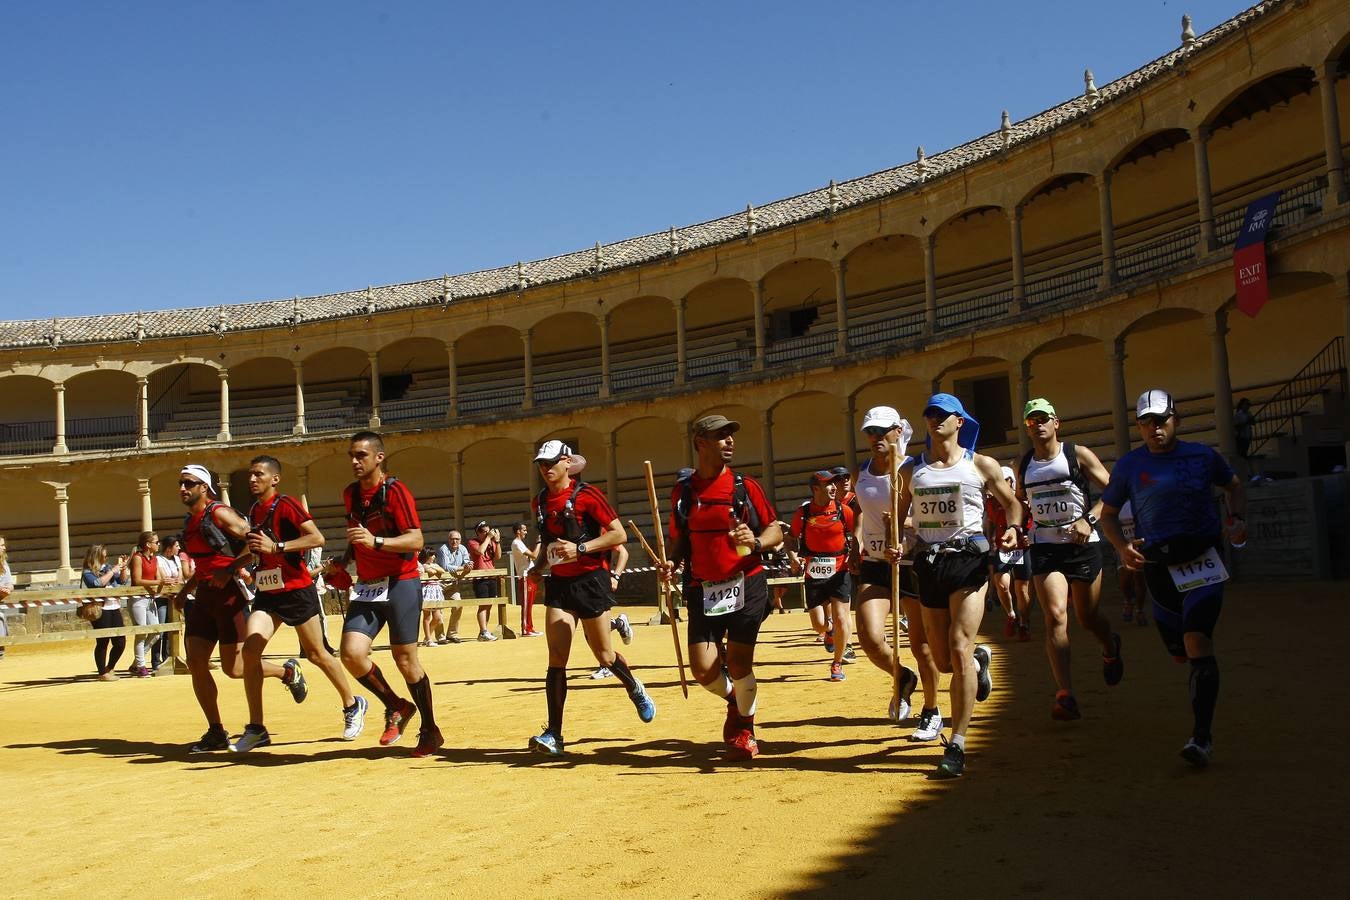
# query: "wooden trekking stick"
x,y
893,529
660,557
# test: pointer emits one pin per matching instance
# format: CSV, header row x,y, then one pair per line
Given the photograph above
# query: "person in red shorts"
x,y
213,601
720,523
280,532
384,534
822,531
577,530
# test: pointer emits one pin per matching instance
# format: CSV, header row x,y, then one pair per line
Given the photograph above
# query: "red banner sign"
x,y
1250,276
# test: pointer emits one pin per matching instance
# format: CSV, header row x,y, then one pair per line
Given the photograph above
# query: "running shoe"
x,y
486,636
1113,667
732,724
296,683
849,655
1065,708
396,722
455,639
900,701
602,672
547,743
1023,632
743,746
1197,753
904,623
836,671
1009,626
215,738
254,736
953,762
930,726
828,640
624,627
354,719
429,740
646,707
985,683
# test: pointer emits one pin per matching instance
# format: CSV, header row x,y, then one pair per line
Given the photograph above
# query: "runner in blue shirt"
x,y
1169,484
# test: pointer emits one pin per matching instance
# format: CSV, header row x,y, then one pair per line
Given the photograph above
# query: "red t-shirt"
x,y
483,554
284,522
590,503
712,557
826,534
205,557
399,514
995,514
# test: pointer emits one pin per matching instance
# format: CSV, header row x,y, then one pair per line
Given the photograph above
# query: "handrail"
x,y
1297,393
164,393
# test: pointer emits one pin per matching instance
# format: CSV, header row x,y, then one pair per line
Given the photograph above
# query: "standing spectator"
x,y
170,566
98,574
6,588
485,548
1243,423
432,591
522,558
453,557
145,573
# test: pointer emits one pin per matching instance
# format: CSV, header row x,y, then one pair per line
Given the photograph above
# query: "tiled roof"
x,y
583,263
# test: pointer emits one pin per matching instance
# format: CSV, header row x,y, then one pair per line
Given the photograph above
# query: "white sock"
x,y
959,740
747,691
719,687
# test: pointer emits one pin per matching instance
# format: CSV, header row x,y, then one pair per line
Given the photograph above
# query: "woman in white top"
x,y
171,573
522,559
6,588
944,491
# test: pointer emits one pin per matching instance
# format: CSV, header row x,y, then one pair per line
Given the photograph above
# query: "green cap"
x,y
1038,405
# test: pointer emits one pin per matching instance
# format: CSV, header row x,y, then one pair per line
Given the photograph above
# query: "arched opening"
x,y
1170,349
807,428
1062,240
497,480
28,422
720,328
800,312
184,402
1068,371
337,390
642,345
491,370
103,509
427,473
1154,208
885,291
906,396
101,411
985,388
566,350
30,525
262,397
414,381
663,442
973,262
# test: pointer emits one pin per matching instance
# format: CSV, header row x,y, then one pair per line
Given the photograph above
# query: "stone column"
x,y
457,488
766,438
850,444
63,570
605,384
611,468
687,441
929,245
1331,134
225,488
681,344
841,308
526,338
1203,193
1223,387
147,512
1019,267
1023,395
302,485
1120,419
374,358
59,389
1108,227
143,411
300,427
224,406
452,411
759,325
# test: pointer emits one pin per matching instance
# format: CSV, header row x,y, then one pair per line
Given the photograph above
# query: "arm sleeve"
x,y
1223,473
763,508
89,579
597,506
798,524
403,508
1117,489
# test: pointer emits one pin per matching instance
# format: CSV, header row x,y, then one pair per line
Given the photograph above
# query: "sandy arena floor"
x,y
103,801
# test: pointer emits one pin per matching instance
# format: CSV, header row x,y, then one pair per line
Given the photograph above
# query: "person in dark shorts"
x,y
577,530
822,532
720,522
1169,484
213,600
944,491
1055,481
384,535
280,531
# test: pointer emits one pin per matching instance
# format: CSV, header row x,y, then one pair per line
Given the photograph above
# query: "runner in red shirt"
x,y
212,600
577,530
282,530
822,531
384,535
725,588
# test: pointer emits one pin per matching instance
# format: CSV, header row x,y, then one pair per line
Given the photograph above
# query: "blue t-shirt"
x,y
1169,492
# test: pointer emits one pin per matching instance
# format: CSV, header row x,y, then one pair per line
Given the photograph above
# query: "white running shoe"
x,y
354,719
486,636
1197,753
930,727
602,672
985,680
623,627
251,738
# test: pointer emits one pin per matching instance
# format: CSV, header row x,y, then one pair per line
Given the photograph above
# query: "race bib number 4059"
x,y
1205,569
724,596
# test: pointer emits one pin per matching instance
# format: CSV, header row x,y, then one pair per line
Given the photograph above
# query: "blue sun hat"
x,y
970,430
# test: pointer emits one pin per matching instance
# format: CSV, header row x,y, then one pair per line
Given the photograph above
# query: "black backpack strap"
x,y
806,513
1022,470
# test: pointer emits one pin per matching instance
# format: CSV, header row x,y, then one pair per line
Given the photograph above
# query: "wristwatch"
x,y
581,549
379,543
281,546
1091,519
758,545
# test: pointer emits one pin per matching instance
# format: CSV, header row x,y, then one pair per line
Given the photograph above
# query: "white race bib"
x,y
1205,569
1127,530
874,546
724,596
371,591
1053,505
937,507
269,579
554,554
819,568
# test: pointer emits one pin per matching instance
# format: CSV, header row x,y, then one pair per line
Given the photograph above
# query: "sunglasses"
x,y
1038,419
1154,421
190,484
878,431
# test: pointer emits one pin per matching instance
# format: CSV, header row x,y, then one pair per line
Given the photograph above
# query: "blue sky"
x,y
162,154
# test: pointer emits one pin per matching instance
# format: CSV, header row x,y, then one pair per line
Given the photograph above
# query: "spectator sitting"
x,y
99,574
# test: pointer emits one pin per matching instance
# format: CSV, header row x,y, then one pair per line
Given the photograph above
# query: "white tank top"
x,y
1126,516
874,499
947,503
1055,501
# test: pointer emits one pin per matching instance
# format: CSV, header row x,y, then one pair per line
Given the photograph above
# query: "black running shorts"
x,y
1076,562
295,607
217,614
948,573
741,626
837,586
586,596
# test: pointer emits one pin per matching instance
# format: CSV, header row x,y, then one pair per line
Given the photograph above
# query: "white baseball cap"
x,y
1009,475
1154,402
552,450
201,474
881,417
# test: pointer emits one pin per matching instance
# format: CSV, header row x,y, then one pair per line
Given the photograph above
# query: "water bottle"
x,y
741,549
1237,534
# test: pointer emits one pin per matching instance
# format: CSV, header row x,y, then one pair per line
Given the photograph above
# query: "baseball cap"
x,y
555,449
1154,402
714,422
482,524
823,476
839,472
970,431
201,474
1038,405
881,417
1009,474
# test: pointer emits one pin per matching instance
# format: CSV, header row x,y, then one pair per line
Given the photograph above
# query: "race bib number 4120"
x,y
724,596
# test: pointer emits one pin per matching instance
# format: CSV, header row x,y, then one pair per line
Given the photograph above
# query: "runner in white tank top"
x,y
944,490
